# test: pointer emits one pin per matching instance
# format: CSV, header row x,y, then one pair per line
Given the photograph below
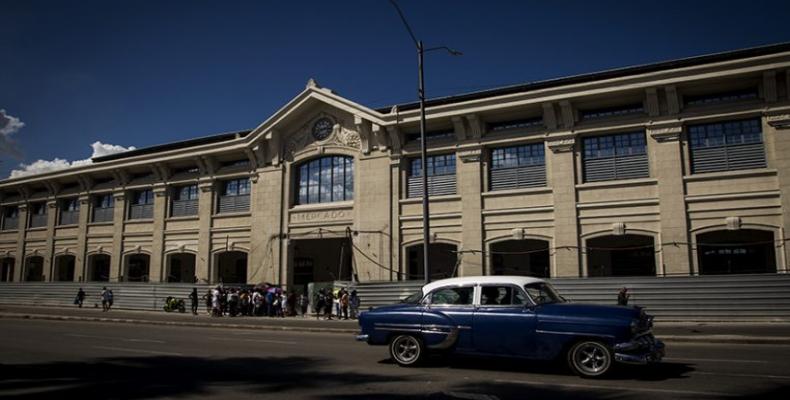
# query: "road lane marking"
x,y
623,388
165,353
253,340
759,376
116,338
715,360
144,341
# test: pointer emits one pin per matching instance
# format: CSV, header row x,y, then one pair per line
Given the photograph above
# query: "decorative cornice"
x,y
780,121
561,145
471,155
666,132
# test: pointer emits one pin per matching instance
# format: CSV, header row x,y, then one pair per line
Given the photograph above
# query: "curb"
x,y
176,323
710,339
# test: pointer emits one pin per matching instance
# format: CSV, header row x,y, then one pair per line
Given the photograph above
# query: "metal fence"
x,y
723,297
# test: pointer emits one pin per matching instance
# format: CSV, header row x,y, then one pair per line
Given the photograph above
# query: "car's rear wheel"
x,y
590,358
406,350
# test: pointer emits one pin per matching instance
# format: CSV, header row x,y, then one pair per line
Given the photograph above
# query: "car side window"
x,y
453,296
501,295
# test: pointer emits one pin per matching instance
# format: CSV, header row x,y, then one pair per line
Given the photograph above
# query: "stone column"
x,y
19,262
566,227
372,218
470,187
205,211
119,219
49,247
266,225
776,129
158,271
80,259
666,162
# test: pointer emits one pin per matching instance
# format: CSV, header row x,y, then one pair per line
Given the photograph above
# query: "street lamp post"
x,y
426,227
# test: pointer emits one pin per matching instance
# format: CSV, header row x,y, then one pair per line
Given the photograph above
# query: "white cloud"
x,y
8,126
42,166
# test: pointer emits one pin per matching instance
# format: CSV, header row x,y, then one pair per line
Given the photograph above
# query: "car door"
x,y
503,322
449,309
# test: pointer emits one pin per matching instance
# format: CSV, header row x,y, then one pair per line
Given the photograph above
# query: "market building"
x,y
670,169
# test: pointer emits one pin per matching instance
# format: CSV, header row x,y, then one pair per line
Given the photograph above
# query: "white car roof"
x,y
473,280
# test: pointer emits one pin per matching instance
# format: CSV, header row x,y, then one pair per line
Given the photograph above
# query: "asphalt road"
x,y
85,360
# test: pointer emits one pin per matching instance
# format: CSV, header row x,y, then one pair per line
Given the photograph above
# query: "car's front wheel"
x,y
590,358
406,350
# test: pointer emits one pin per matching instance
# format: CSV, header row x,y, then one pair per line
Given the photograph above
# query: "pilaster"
x,y
80,259
119,219
372,218
205,211
266,225
469,187
565,262
667,166
49,249
777,128
157,271
19,262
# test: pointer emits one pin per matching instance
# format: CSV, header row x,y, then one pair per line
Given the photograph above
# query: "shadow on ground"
x,y
147,377
655,372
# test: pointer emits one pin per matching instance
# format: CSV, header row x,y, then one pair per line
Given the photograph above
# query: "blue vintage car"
x,y
511,316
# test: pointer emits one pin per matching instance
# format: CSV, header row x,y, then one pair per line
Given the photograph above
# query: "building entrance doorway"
x,y
442,259
137,267
181,268
745,251
98,268
621,255
34,269
321,260
64,268
528,257
232,267
7,269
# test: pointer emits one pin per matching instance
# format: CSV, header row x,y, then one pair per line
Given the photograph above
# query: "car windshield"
x,y
543,293
413,299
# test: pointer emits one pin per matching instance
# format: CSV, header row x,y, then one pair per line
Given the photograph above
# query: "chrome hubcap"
x,y
591,358
406,349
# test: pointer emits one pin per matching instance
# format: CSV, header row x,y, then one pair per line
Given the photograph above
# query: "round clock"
x,y
322,128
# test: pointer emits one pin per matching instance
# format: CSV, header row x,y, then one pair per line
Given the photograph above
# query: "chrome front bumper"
x,y
362,338
643,350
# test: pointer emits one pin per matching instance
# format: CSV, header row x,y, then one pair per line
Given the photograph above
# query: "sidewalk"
x,y
690,332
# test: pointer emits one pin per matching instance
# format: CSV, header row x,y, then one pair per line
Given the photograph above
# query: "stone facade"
x,y
672,207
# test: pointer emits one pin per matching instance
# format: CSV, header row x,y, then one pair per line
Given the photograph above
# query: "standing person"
x,y
104,298
194,297
215,303
344,303
337,294
80,297
330,299
354,302
110,299
207,299
623,296
320,304
303,304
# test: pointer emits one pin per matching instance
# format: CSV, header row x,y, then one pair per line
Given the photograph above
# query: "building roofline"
x,y
606,74
221,137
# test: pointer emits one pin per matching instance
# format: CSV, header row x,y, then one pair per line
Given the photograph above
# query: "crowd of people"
x,y
273,301
269,301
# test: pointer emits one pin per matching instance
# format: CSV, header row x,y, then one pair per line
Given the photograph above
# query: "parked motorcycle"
x,y
174,304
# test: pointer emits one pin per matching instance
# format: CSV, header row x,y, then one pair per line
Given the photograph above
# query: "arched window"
x,y
325,180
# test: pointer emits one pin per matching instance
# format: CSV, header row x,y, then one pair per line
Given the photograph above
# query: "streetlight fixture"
x,y
421,50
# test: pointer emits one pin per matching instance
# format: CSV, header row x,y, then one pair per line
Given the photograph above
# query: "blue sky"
x,y
148,72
